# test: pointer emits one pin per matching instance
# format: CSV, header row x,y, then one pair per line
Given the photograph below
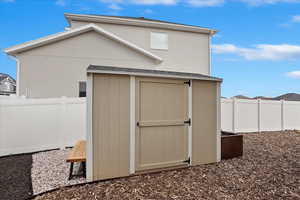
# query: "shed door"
x,y
162,133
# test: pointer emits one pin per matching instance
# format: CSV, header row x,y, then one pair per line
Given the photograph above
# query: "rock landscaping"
x,y
269,169
50,171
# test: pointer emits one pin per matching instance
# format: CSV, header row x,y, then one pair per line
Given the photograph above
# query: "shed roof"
x,y
149,72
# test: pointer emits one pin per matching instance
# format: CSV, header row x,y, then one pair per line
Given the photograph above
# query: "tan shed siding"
x,y
111,126
162,107
204,121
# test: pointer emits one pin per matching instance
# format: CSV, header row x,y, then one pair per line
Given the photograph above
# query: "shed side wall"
x,y
204,122
111,126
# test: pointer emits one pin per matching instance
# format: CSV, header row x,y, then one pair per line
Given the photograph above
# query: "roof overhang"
x,y
137,22
147,72
76,31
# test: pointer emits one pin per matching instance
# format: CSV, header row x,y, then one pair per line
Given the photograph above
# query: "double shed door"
x,y
162,128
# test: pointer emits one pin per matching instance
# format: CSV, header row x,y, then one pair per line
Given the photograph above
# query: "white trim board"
x,y
76,31
190,128
132,126
218,134
89,132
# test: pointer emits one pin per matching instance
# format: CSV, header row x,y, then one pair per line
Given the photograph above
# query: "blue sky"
x,y
256,52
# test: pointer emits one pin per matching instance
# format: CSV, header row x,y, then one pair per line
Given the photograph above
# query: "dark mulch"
x,y
269,169
15,177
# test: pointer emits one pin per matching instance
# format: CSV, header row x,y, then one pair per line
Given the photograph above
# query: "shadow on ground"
x,y
15,177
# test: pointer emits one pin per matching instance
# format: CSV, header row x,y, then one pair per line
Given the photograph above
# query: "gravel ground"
x,y
269,169
15,181
50,171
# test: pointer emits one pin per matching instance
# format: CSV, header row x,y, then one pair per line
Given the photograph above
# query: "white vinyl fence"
x,y
28,125
241,115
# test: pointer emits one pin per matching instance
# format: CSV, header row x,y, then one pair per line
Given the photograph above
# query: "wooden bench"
x,y
77,154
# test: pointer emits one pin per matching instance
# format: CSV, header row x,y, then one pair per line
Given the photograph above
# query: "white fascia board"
x,y
69,33
137,22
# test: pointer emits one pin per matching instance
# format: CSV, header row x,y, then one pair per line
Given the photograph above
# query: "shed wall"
x,y
204,122
111,123
111,126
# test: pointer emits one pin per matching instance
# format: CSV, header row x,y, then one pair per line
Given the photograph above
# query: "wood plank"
x,y
162,123
78,153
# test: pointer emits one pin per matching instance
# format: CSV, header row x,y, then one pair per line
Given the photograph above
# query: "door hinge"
x,y
189,122
188,161
188,82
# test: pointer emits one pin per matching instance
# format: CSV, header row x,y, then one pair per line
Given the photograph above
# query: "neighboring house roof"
x,y
7,84
7,78
149,72
76,31
138,21
288,97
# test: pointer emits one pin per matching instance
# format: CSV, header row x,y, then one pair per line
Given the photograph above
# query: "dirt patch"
x,y
15,177
269,169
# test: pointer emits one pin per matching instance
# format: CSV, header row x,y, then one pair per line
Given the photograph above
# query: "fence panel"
x,y
291,113
246,116
227,115
270,115
28,125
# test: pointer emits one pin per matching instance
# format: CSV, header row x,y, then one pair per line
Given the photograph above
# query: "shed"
x,y
142,120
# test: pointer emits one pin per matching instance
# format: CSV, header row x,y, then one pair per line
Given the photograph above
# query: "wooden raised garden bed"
x,y
231,145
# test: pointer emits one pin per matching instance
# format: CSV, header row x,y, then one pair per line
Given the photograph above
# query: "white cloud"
x,y
205,3
262,2
111,1
115,7
154,2
60,2
261,51
294,74
144,2
217,35
148,11
296,19
199,3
